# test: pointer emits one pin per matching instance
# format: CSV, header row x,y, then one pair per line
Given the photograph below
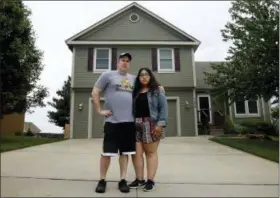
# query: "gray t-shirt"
x,y
117,89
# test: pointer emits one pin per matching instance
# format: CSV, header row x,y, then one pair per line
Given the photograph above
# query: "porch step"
x,y
216,131
215,127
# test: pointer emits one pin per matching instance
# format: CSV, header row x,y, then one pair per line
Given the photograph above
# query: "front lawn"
x,y
9,143
268,149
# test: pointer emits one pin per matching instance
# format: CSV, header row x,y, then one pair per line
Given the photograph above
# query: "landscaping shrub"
x,y
242,130
260,127
249,123
18,133
267,128
29,133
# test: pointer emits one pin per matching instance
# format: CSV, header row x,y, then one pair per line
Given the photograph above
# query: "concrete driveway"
x,y
189,167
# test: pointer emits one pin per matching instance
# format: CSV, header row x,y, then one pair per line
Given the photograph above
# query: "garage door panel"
x,y
171,129
97,124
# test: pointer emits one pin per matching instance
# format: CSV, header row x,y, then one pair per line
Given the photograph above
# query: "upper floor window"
x,y
247,108
102,59
166,60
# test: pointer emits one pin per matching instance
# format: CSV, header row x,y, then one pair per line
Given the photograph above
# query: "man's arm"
x,y
99,86
95,94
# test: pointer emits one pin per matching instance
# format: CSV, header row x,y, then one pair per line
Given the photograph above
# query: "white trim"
x,y
90,109
72,103
210,106
172,70
136,15
123,10
73,66
247,114
110,154
90,114
129,153
109,63
195,112
193,68
72,113
179,131
131,43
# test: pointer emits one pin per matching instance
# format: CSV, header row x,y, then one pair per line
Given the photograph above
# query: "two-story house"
x,y
155,43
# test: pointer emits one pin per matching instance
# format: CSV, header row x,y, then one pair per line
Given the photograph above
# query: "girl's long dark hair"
x,y
153,84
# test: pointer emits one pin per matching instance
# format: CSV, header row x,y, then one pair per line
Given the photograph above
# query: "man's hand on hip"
x,y
161,88
105,112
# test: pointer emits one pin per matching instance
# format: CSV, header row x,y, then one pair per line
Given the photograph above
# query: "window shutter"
x,y
154,59
114,59
90,59
177,59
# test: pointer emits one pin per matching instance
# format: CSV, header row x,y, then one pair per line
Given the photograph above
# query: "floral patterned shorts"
x,y
145,129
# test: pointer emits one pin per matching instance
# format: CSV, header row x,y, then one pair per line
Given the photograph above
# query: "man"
x,y
119,128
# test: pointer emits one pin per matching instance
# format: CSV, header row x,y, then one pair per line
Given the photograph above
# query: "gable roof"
x,y
133,4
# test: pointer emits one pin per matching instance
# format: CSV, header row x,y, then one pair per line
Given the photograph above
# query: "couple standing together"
x,y
135,113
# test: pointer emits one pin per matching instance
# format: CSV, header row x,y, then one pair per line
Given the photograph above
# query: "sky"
x,y
56,21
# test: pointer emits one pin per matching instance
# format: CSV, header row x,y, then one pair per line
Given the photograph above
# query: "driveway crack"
x,y
164,183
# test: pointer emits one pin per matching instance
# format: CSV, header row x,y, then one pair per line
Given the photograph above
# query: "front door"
x,y
204,107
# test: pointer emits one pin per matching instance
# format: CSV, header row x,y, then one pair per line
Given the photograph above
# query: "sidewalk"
x,y
190,167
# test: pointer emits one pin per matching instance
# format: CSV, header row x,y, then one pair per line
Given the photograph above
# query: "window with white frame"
x,y
166,60
246,108
102,59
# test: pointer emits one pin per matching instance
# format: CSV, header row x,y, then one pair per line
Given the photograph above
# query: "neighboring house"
x,y
238,111
154,43
32,127
12,123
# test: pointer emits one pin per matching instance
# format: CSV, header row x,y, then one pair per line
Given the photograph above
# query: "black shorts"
x,y
119,138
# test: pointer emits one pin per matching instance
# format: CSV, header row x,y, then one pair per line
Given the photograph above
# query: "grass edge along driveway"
x,y
9,143
268,149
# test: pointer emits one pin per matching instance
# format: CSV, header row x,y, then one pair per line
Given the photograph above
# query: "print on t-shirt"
x,y
124,86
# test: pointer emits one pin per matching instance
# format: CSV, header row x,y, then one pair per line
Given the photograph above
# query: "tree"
x,y
275,112
251,69
21,62
275,109
60,117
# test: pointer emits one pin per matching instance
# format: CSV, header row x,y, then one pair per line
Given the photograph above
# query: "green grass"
x,y
268,149
9,143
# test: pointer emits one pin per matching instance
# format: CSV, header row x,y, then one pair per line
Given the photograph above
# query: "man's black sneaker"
x,y
101,186
150,185
137,183
123,187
